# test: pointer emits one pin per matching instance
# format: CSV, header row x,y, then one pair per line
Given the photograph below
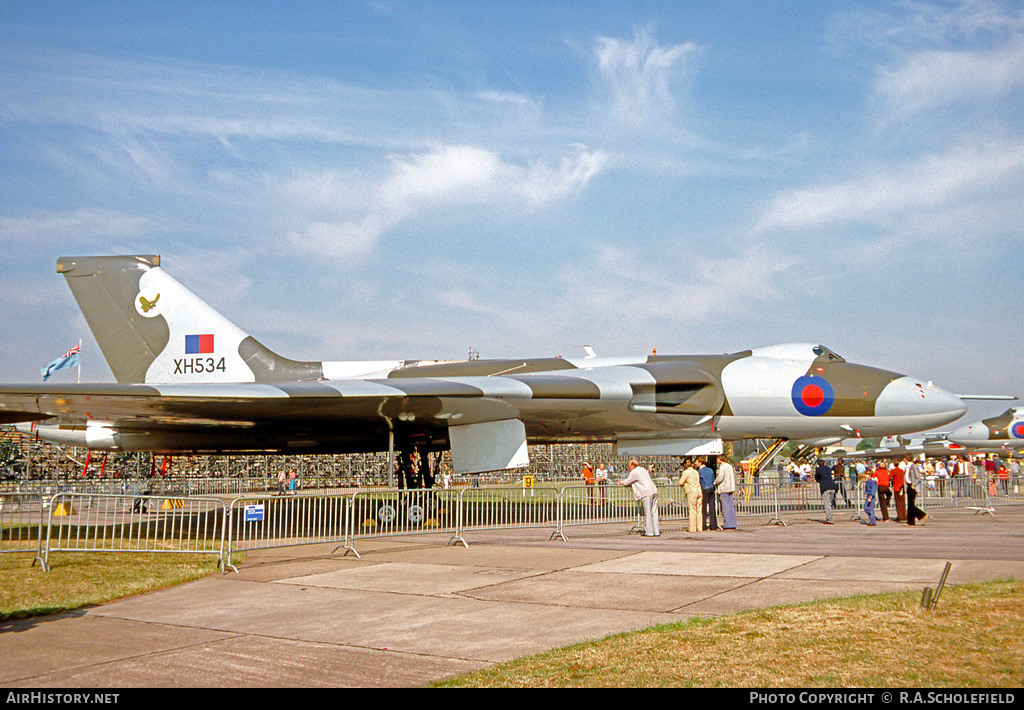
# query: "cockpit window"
x,y
824,353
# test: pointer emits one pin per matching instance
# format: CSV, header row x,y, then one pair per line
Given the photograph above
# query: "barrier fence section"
x,y
88,522
585,505
263,521
374,514
1002,490
757,499
508,507
21,523
81,522
972,495
958,492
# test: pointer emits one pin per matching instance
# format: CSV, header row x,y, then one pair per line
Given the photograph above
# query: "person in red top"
x,y
882,476
896,481
588,479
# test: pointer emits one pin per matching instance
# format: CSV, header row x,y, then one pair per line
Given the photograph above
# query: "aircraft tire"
x,y
386,513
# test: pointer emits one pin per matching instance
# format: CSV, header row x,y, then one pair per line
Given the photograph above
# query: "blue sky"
x,y
412,179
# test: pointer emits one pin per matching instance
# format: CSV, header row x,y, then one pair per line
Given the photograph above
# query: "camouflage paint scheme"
x,y
189,380
1005,432
931,445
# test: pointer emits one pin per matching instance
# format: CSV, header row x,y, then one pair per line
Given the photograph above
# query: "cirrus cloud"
x,y
931,182
638,76
445,176
926,80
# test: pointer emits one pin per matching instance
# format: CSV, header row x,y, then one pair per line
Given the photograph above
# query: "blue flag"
x,y
68,359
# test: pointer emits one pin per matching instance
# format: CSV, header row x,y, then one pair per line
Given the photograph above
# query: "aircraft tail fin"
x,y
152,329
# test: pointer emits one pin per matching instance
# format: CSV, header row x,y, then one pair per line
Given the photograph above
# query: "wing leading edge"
x,y
361,415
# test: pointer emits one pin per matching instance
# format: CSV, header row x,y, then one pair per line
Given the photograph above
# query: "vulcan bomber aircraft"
x,y
931,445
191,381
1004,432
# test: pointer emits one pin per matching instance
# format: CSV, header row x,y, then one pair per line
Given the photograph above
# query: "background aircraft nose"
x,y
913,397
974,433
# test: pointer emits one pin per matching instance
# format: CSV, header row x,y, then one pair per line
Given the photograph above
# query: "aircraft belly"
x,y
755,427
195,441
747,427
759,387
575,422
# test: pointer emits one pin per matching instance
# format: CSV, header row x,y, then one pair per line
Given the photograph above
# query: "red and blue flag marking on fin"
x,y
198,344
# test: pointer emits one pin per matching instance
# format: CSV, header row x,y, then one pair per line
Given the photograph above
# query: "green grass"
x,y
79,579
972,639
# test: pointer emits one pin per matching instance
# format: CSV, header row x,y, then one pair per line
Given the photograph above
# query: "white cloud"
x,y
63,227
463,300
639,77
449,173
445,176
926,80
687,290
540,183
931,182
911,26
507,98
344,242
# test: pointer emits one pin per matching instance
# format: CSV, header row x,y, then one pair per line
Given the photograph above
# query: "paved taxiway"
x,y
413,610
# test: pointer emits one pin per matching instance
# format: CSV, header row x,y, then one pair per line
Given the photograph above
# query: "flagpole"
x,y
79,361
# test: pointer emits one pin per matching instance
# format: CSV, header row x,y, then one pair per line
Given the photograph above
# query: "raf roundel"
x,y
1017,430
812,396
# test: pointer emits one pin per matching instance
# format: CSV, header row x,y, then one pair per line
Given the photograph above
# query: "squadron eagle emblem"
x,y
146,304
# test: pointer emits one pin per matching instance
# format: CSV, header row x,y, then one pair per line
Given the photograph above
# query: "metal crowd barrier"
x,y
374,514
511,507
263,521
135,486
88,522
81,522
588,505
21,523
973,495
956,492
584,505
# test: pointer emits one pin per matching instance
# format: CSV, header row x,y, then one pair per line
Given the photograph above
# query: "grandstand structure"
x,y
23,458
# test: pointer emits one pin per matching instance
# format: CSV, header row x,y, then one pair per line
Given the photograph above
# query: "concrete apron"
x,y
414,610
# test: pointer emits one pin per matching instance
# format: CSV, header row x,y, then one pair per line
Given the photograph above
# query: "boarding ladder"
x,y
764,457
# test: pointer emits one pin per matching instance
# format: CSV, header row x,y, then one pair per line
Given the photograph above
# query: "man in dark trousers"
x,y
915,482
839,476
882,476
827,486
707,493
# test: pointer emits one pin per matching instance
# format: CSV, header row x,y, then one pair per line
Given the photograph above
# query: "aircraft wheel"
x,y
415,514
386,513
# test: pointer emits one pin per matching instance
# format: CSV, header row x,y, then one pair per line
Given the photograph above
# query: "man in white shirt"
x,y
915,484
646,492
725,485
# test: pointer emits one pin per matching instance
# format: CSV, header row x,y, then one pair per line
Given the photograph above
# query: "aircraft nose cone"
x,y
921,401
974,433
